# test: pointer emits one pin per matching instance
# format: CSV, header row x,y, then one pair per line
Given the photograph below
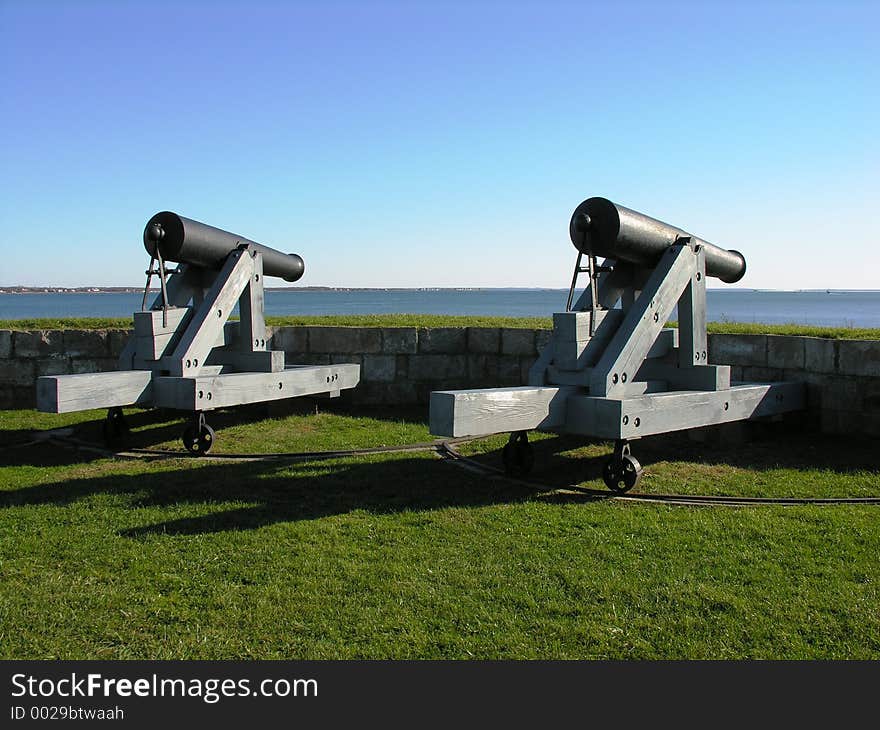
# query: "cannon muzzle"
x,y
187,241
601,227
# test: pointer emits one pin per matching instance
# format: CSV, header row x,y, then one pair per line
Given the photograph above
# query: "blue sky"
x,y
439,144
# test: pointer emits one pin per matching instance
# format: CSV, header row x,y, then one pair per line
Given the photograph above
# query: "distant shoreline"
x,y
139,290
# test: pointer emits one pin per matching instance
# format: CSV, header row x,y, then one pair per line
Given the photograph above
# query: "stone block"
x,y
517,342
379,368
525,364
747,350
870,392
85,343
437,367
400,340
369,393
784,351
17,397
402,367
871,424
403,394
761,375
117,340
814,384
311,358
452,340
859,357
841,394
820,355
37,343
101,365
484,340
341,358
294,340
542,339
355,340
5,344
53,365
509,372
841,422
18,372
482,370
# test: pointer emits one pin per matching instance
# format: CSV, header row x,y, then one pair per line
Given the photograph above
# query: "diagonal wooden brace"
x,y
648,315
211,314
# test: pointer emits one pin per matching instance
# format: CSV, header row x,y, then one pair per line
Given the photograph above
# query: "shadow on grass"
x,y
765,446
282,492
157,426
272,491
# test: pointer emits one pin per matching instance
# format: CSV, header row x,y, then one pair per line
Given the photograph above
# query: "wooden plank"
x,y
205,393
572,354
697,377
209,318
69,393
693,341
486,411
149,351
251,307
665,343
646,317
185,284
149,323
538,370
266,361
645,415
573,326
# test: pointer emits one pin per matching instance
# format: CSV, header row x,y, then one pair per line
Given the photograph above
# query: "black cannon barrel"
x,y
184,240
612,231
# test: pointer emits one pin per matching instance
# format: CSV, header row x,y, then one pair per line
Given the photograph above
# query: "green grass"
x,y
436,320
404,556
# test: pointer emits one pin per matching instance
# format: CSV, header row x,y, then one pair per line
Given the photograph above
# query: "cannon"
x,y
185,353
612,368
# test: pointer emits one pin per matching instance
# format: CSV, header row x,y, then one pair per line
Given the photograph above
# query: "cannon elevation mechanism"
x,y
612,368
184,353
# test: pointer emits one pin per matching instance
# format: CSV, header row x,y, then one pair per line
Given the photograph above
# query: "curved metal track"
x,y
65,440
446,450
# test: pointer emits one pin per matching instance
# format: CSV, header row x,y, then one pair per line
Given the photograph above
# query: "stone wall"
x,y
402,365
842,376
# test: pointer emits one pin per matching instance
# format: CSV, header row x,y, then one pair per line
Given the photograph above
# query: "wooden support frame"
x,y
644,320
646,378
190,357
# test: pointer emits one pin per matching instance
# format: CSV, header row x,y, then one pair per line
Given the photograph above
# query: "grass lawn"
x,y
405,556
436,320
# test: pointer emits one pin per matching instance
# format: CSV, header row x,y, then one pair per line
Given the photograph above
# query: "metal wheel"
x,y
198,437
518,455
622,473
115,428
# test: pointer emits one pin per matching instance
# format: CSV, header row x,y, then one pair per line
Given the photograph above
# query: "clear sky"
x,y
439,144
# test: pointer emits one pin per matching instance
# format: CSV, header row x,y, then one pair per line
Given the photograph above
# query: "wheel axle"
x,y
622,471
198,436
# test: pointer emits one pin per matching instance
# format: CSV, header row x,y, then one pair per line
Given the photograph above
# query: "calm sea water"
x,y
835,308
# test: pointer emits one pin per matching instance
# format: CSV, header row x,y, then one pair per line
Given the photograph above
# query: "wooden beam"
x,y
69,393
645,415
644,320
251,306
205,393
207,322
693,340
486,411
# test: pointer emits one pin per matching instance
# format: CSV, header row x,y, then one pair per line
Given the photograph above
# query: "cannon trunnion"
x,y
185,353
612,368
